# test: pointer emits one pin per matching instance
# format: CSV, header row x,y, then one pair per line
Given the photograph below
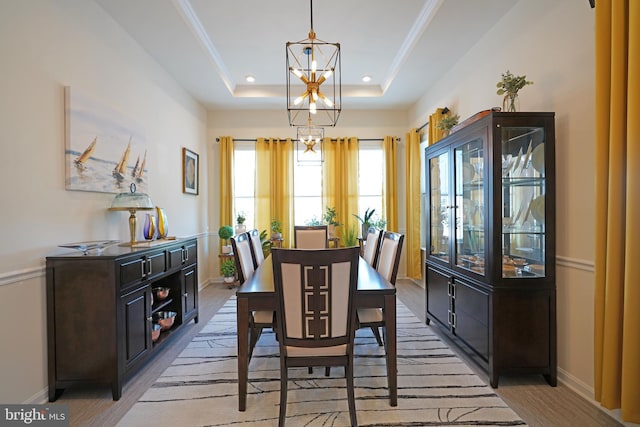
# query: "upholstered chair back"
x,y
315,289
256,248
389,257
372,246
311,236
242,254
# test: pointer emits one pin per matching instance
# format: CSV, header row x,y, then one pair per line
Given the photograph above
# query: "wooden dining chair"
x,y
372,246
242,254
387,265
256,247
315,319
311,236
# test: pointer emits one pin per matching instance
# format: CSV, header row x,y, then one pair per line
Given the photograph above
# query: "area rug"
x,y
435,388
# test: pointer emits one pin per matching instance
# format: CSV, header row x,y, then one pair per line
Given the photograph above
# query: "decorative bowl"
x,y
155,331
161,293
165,319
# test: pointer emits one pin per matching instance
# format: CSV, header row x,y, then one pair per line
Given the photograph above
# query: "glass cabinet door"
x,y
523,201
470,206
440,212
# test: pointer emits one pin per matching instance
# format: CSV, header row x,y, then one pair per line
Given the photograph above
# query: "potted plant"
x,y
329,218
350,237
447,123
240,219
265,242
225,232
228,271
276,229
509,86
365,220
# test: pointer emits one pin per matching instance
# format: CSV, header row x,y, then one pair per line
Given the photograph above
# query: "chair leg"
x,y
255,334
376,333
283,394
350,394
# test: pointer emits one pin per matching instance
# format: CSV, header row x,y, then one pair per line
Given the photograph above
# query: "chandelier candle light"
x,y
313,80
309,143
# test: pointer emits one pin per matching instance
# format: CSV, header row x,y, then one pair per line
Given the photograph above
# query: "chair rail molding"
x,y
11,277
575,263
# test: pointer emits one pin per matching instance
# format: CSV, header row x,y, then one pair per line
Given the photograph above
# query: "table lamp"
x,y
132,202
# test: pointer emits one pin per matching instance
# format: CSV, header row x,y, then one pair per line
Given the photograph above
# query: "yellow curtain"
x,y
617,296
412,171
274,185
435,134
340,180
226,182
390,190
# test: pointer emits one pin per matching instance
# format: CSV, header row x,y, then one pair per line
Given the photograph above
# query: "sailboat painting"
x,y
105,150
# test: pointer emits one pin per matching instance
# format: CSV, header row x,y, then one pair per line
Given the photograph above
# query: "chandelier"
x,y
313,80
309,143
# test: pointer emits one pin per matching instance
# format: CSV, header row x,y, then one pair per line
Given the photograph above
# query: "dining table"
x,y
258,293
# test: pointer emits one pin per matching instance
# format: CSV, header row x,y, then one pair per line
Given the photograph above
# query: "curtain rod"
x,y
294,140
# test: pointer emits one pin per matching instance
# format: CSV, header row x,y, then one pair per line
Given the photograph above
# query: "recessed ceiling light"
x,y
250,79
366,78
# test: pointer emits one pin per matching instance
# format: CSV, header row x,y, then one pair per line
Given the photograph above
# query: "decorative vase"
x,y
511,102
226,249
332,230
229,279
240,228
149,227
163,225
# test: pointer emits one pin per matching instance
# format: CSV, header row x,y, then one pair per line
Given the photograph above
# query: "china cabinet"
x,y
490,258
100,310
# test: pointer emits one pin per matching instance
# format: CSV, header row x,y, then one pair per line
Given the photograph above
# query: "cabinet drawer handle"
x,y
453,323
449,317
186,294
453,291
150,319
149,267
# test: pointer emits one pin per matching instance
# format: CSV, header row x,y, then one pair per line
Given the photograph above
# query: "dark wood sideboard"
x,y
100,310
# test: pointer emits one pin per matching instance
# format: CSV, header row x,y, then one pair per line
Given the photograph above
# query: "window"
x,y
308,183
244,170
371,178
307,192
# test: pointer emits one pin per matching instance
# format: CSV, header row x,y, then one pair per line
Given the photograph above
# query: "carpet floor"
x,y
435,388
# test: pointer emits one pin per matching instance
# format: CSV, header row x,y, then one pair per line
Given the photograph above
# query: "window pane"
x,y
371,178
307,192
244,169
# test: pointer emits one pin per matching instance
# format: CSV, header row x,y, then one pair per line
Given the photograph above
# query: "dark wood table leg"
x,y
392,356
243,350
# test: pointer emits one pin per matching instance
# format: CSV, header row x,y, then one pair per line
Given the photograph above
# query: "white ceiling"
x,y
210,46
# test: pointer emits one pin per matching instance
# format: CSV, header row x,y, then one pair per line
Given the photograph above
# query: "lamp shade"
x,y
126,201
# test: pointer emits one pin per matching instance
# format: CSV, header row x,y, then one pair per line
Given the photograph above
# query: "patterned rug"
x,y
435,388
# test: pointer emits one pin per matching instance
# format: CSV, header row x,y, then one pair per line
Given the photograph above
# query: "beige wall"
x,y
552,42
44,46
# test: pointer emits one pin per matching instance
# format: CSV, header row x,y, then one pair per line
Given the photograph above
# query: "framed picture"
x,y
105,151
190,171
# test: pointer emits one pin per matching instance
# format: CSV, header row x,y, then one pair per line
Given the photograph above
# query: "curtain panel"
x,y
390,190
435,134
617,287
340,180
274,185
413,212
226,182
